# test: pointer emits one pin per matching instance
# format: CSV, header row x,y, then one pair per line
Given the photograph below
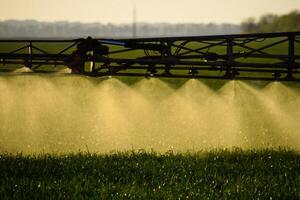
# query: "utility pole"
x,y
134,23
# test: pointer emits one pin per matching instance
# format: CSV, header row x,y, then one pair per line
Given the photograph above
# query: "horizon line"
x,y
112,23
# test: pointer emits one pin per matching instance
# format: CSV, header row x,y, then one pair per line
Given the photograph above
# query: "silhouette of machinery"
x,y
80,55
262,56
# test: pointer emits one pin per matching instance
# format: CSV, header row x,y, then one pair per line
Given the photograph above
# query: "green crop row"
x,y
220,174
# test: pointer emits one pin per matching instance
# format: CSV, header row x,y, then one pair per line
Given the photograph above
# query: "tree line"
x,y
64,29
31,28
273,23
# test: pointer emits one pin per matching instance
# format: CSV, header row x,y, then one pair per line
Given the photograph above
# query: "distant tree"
x,y
267,23
289,22
273,23
249,26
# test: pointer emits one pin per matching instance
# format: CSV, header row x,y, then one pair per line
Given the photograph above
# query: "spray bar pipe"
x,y
262,56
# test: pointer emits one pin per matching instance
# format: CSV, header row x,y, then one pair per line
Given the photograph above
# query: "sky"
x,y
153,11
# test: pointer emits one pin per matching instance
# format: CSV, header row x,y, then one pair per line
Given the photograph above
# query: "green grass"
x,y
222,174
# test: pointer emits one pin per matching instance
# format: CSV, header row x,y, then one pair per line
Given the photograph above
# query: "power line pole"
x,y
134,23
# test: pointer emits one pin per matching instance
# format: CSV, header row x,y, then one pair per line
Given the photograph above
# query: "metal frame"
x,y
241,56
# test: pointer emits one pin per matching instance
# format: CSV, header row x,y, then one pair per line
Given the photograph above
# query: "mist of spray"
x,y
54,114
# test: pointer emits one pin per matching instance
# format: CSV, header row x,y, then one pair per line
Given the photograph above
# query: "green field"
x,y
222,174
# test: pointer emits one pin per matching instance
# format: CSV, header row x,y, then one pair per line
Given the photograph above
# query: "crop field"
x,y
76,137
219,174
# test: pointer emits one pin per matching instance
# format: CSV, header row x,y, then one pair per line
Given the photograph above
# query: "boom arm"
x,y
265,56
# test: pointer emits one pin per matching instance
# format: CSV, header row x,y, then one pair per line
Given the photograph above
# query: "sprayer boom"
x,y
264,56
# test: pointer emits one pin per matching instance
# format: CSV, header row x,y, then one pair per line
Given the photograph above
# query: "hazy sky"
x,y
121,11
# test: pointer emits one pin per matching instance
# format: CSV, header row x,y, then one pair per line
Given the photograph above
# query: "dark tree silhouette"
x,y
273,23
